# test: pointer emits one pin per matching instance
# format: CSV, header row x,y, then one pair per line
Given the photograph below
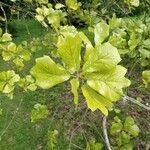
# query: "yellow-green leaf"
x,y
48,73
95,100
69,51
101,31
146,78
110,85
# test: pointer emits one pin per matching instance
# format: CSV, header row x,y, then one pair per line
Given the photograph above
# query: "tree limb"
x,y
133,100
105,133
4,17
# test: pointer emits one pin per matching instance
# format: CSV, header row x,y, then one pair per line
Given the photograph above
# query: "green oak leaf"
x,y
133,41
64,32
39,18
47,15
70,51
54,20
93,145
42,1
17,54
135,3
146,78
102,58
115,22
59,5
110,85
95,100
48,73
116,126
6,37
145,56
52,138
9,52
39,112
74,88
130,126
27,83
7,82
146,43
125,137
72,4
101,32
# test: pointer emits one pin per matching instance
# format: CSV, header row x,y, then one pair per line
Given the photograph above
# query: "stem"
x,y
105,133
4,17
32,14
136,102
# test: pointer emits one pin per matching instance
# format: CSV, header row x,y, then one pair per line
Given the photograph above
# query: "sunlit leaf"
x,y
47,73
95,100
70,51
110,85
101,31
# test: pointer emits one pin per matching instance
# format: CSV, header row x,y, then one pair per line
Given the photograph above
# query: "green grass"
x,y
25,29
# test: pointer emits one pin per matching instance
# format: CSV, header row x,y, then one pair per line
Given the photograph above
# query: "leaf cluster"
x,y
96,71
124,131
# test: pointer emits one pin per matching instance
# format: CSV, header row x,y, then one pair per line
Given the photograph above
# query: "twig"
x,y
32,14
105,133
4,16
125,98
4,131
77,146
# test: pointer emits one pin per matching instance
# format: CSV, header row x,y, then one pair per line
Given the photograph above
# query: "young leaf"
x,y
93,145
146,78
17,54
59,5
39,112
74,88
95,100
101,31
115,22
6,37
116,126
27,83
125,137
135,3
48,73
110,85
131,127
102,59
72,4
70,51
7,82
52,139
